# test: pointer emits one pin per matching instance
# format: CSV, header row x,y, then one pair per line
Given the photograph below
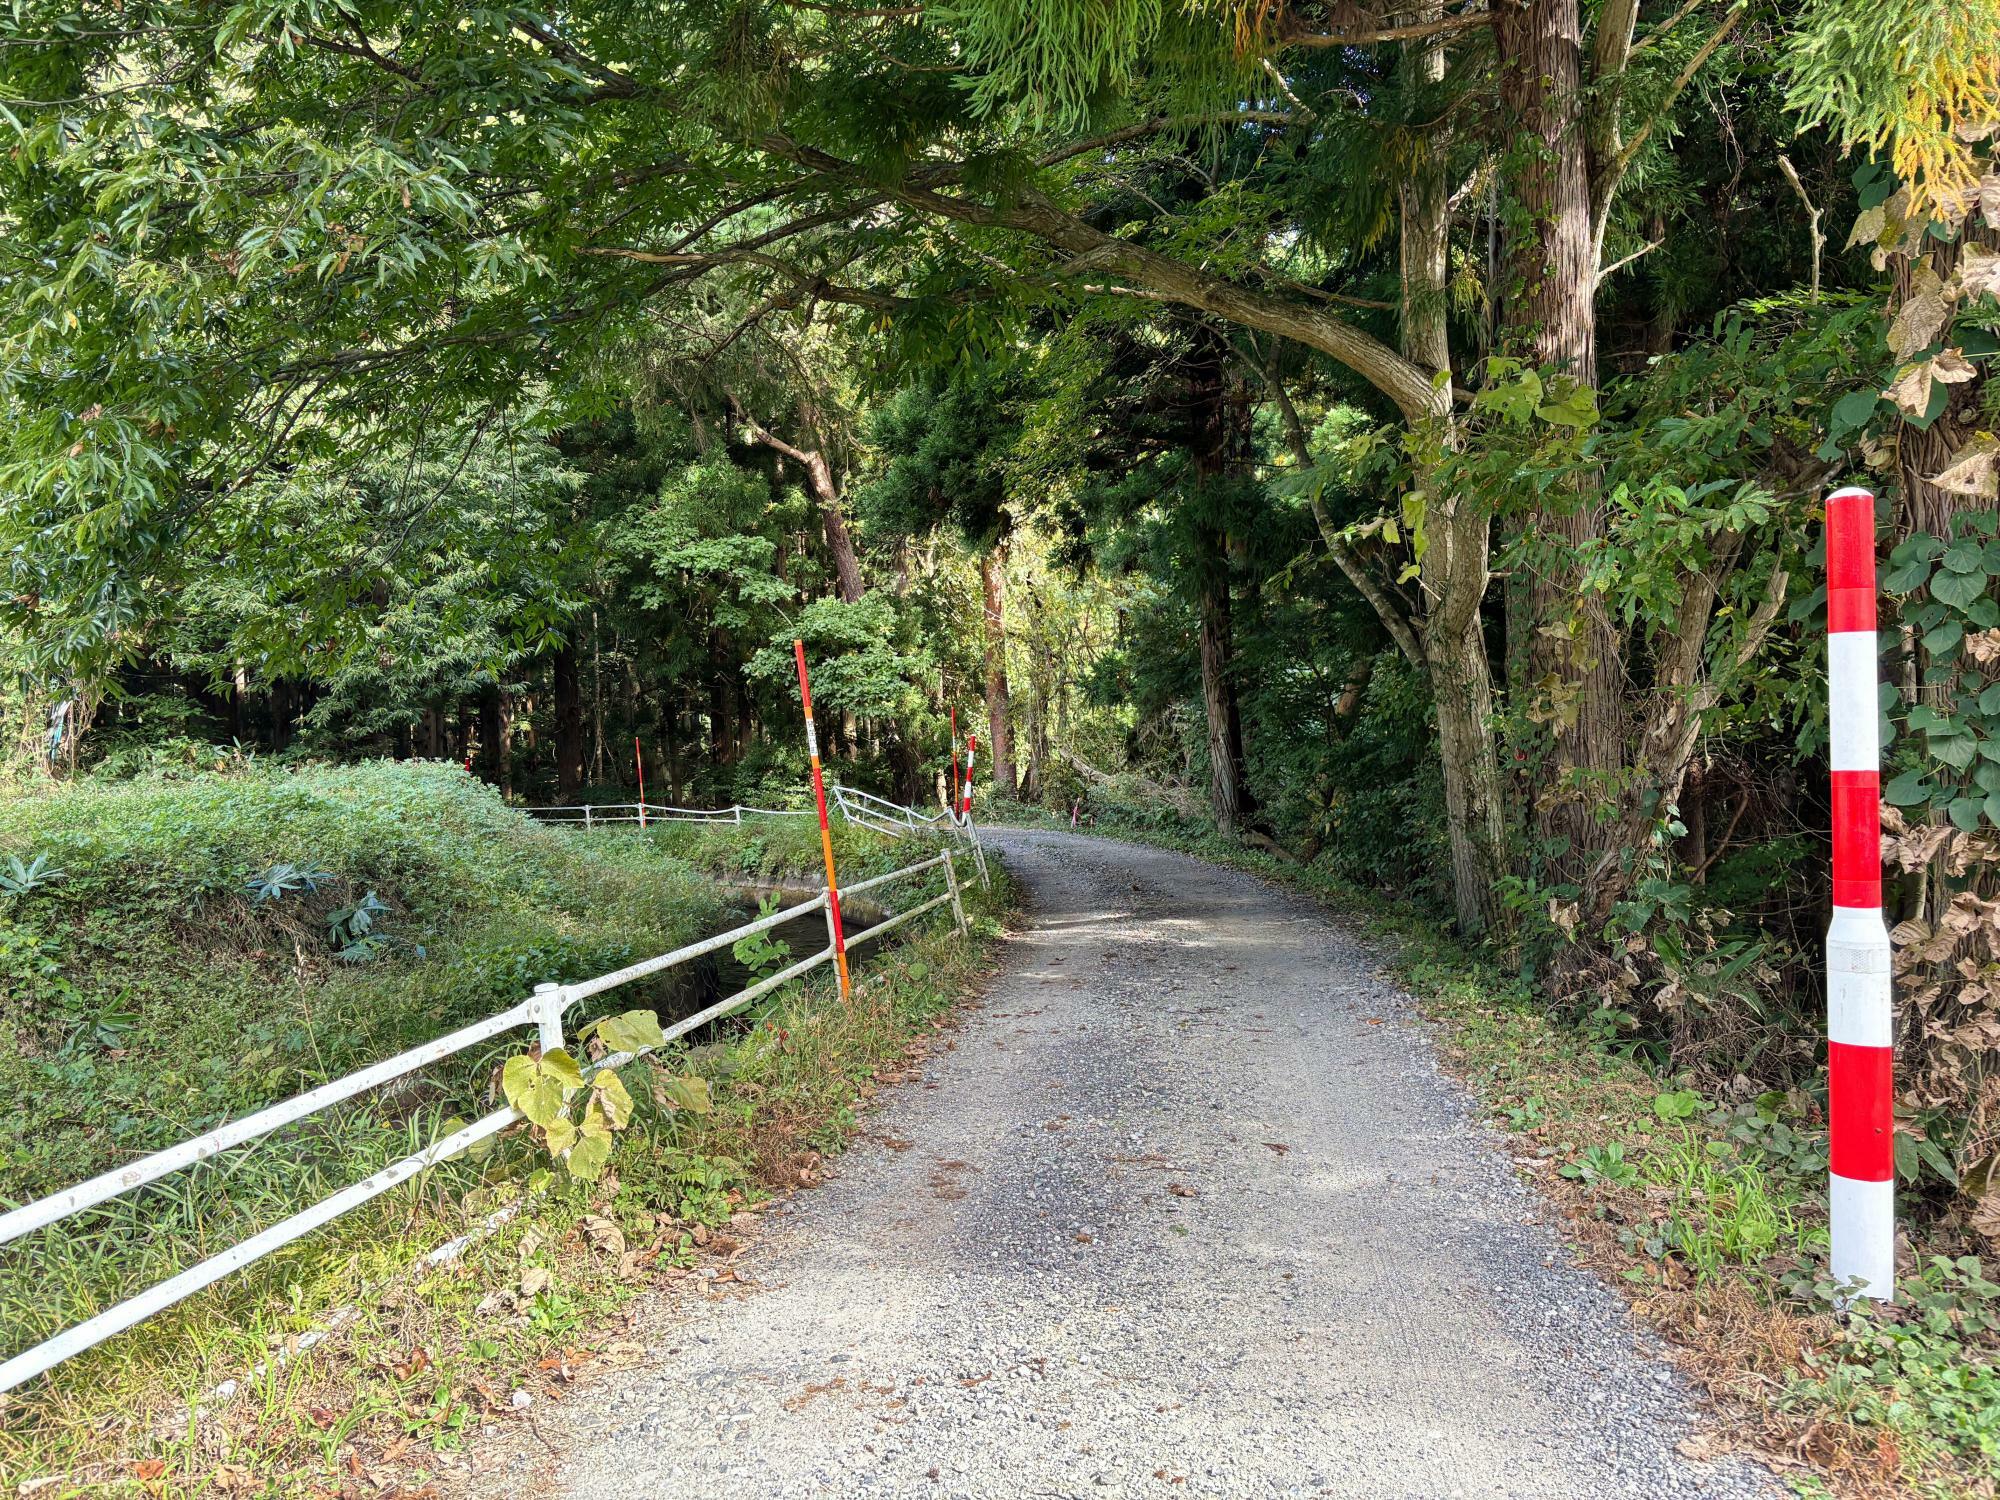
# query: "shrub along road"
x,y
1188,1204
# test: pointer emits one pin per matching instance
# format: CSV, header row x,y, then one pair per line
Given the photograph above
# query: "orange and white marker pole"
x,y
639,760
825,831
1860,1021
971,754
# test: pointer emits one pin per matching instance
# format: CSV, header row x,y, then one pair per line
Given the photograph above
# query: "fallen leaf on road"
x,y
1278,1146
1182,1190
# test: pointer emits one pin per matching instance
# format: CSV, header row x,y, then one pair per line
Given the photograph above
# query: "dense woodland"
x,y
1397,435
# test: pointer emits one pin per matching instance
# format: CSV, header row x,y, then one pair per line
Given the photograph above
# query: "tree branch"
x,y
807,283
1619,265
1365,36
1387,610
1613,170
1033,213
613,83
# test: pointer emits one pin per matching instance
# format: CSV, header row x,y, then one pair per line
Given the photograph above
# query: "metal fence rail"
x,y
592,814
863,809
544,1009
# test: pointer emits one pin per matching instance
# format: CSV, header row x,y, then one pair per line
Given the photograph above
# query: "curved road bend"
x,y
1189,1209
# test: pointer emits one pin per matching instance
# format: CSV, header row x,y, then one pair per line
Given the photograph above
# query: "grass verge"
x,y
420,1359
1708,1210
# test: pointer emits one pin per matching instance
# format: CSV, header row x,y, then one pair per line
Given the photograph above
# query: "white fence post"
x,y
550,1003
957,906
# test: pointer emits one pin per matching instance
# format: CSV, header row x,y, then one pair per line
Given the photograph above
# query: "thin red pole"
x,y
825,829
639,759
1860,1021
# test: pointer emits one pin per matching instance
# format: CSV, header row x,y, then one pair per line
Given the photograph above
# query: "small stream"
x,y
717,975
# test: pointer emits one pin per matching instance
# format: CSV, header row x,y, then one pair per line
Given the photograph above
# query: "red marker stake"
x,y
971,754
825,831
1860,1030
639,760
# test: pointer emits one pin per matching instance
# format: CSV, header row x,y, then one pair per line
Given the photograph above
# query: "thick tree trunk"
x,y
846,567
1454,565
506,750
1462,691
568,725
1000,732
1549,317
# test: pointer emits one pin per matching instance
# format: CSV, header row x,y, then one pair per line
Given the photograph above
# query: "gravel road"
x,y
1188,1209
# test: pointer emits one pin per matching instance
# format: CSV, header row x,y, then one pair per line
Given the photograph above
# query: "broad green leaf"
x,y
560,1066
531,1089
1965,557
609,1094
1957,589
1965,812
1907,790
1853,410
688,1092
634,1031
588,1157
1954,749
1945,638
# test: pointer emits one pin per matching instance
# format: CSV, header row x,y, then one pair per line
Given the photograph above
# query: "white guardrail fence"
x,y
863,809
544,1010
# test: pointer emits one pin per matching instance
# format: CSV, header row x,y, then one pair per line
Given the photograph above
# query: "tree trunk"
x,y
568,725
1000,745
1222,450
1228,796
826,496
1462,691
492,754
846,567
1550,318
1454,565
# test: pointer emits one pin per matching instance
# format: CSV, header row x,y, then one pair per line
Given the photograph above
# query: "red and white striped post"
x,y
1860,1025
971,754
825,830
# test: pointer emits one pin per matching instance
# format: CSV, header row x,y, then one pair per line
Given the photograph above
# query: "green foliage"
x,y
760,953
1946,745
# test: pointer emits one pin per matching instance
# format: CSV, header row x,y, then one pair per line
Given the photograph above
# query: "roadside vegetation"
x,y
188,952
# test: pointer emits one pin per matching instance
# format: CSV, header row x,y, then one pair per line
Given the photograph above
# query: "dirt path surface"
x,y
1188,1209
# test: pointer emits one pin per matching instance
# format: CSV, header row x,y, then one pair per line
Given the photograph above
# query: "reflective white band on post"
x,y
1861,1024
